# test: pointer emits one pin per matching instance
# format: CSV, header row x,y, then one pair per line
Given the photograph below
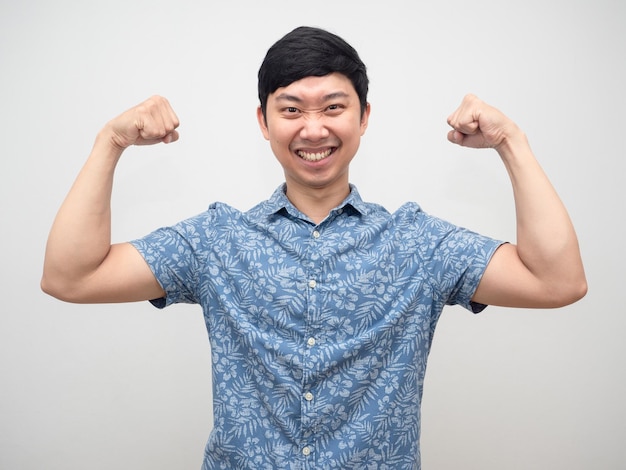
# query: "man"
x,y
320,308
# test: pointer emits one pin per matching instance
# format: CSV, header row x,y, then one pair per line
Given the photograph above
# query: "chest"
x,y
338,282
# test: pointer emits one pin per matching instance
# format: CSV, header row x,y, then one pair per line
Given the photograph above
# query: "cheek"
x,y
352,132
277,141
279,145
280,138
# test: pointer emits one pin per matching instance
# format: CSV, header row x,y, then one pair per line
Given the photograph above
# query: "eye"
x,y
334,109
290,112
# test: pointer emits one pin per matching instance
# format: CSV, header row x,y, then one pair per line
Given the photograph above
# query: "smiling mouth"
x,y
315,156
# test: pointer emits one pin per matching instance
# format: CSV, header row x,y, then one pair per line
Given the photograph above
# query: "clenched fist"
x,y
151,122
476,124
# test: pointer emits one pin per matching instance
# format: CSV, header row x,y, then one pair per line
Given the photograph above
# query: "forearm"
x,y
546,239
544,268
80,263
80,237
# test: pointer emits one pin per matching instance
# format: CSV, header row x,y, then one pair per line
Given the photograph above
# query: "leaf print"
x,y
337,365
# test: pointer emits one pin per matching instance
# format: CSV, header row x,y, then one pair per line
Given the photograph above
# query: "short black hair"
x,y
310,52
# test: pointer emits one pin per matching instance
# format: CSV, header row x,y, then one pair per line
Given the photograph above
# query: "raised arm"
x,y
80,263
544,268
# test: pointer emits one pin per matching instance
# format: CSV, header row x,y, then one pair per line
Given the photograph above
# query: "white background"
x,y
128,387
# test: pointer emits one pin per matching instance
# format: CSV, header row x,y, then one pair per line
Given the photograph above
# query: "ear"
x,y
365,118
262,123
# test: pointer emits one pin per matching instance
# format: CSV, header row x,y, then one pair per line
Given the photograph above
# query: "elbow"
x,y
58,289
580,290
51,288
570,292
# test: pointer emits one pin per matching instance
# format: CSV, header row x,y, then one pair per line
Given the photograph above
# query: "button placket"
x,y
311,359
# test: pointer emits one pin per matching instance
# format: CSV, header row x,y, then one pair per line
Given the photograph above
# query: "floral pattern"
x,y
319,333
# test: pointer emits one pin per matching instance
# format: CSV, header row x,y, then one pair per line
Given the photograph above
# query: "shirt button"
x,y
306,451
308,396
312,283
311,342
316,234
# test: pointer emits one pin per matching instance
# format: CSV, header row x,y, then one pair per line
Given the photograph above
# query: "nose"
x,y
314,127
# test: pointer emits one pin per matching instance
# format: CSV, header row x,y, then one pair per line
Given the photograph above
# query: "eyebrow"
x,y
297,99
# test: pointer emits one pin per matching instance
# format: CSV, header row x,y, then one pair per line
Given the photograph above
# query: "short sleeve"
x,y
174,254
457,259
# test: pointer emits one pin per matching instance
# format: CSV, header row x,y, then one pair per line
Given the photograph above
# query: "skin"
x,y
315,115
544,269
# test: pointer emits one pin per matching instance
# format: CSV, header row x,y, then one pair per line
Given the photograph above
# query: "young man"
x,y
320,308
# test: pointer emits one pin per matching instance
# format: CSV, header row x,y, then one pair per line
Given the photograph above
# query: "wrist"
x,y
108,145
513,144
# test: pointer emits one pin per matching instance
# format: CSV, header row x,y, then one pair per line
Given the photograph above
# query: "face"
x,y
314,127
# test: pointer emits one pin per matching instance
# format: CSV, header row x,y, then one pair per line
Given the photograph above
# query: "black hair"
x,y
307,52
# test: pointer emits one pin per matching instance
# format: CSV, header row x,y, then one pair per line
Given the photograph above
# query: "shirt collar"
x,y
279,202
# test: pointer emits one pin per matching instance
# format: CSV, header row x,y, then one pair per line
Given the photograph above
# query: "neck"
x,y
316,204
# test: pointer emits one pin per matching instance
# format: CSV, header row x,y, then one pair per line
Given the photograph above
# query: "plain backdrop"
x,y
104,387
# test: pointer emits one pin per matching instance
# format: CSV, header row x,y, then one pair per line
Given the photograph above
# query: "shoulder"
x,y
216,215
193,233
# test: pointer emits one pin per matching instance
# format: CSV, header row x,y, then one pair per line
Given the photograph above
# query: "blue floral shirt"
x,y
319,333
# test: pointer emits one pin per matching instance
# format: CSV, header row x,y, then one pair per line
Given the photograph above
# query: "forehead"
x,y
316,89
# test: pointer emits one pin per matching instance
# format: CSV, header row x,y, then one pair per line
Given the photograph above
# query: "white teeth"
x,y
314,157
